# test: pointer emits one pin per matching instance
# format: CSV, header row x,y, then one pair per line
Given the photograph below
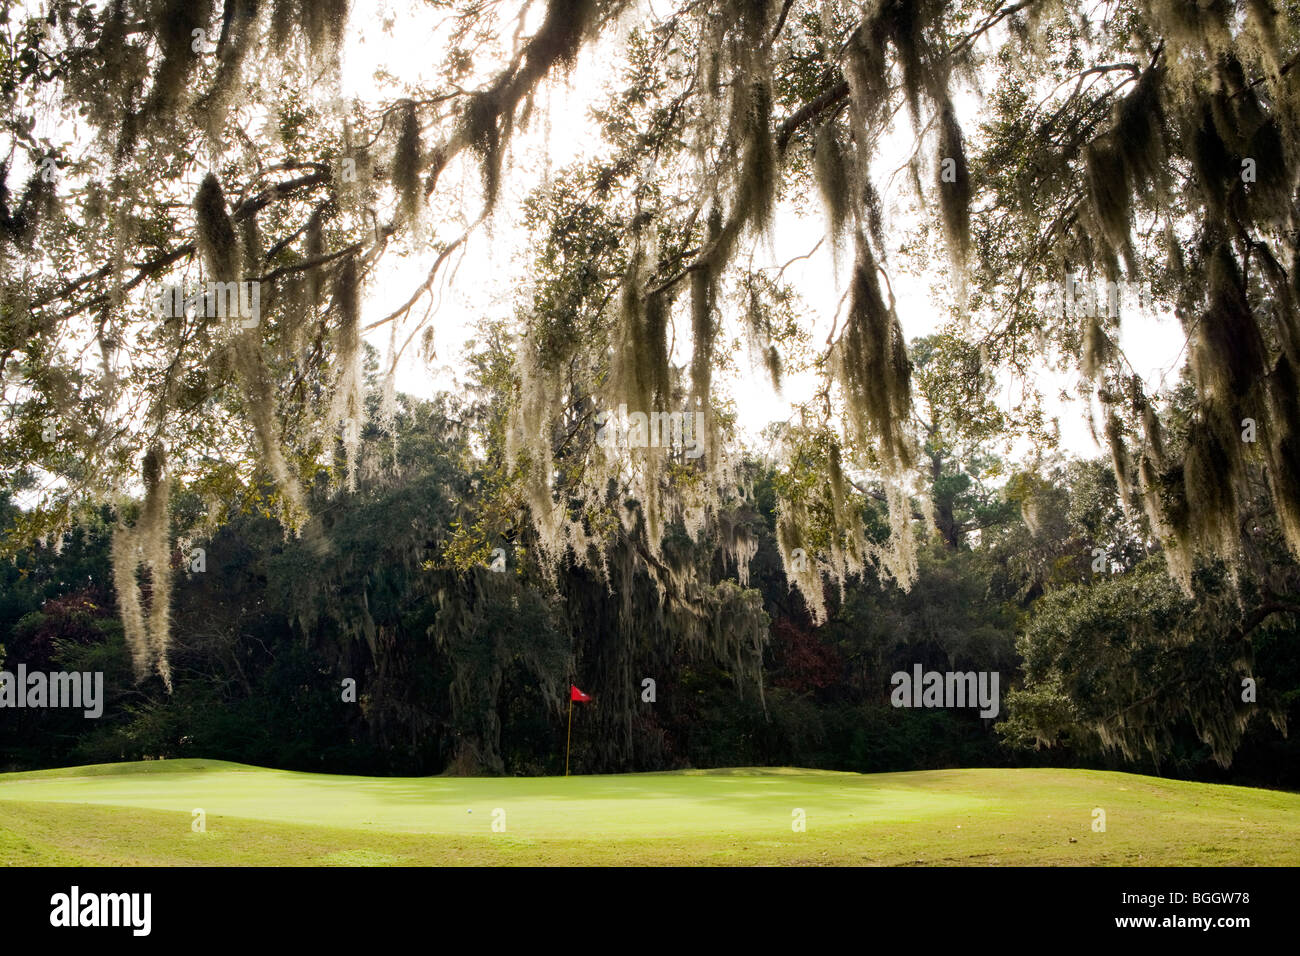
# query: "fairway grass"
x,y
141,813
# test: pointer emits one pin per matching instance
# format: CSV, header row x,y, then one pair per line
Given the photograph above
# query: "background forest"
x,y
466,671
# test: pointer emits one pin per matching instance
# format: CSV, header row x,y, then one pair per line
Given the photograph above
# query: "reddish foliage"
x,y
803,662
73,618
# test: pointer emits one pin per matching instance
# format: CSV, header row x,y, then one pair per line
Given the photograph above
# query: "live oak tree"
x,y
1125,662
1116,655
167,140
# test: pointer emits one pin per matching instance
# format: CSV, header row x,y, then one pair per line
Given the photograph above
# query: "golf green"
x,y
144,814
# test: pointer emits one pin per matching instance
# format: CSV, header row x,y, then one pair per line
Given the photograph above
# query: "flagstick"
x,y
569,737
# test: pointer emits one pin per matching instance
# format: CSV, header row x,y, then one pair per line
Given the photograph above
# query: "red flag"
x,y
575,694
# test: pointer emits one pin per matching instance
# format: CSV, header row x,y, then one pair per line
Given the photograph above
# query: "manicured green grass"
x,y
140,814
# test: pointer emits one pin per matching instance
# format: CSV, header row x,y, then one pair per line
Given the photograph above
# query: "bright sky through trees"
x,y
387,46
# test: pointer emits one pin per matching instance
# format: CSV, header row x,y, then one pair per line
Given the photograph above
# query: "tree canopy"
x,y
172,142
